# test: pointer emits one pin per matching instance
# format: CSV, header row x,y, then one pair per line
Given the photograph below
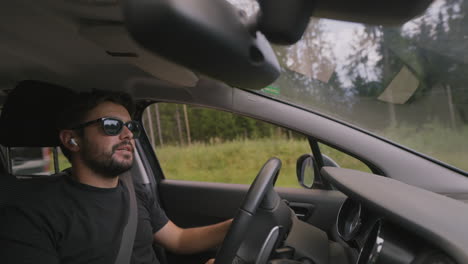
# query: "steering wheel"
x,y
260,193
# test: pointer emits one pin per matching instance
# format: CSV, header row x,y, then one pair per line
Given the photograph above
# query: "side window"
x,y
343,160
63,162
200,144
31,161
35,161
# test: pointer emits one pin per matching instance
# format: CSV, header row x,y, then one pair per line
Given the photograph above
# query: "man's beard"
x,y
104,164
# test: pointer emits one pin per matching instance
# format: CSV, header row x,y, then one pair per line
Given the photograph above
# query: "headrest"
x,y
28,117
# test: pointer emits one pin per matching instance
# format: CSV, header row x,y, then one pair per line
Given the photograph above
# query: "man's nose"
x,y
126,133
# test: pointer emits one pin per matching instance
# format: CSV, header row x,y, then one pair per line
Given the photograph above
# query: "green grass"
x,y
435,140
239,161
63,162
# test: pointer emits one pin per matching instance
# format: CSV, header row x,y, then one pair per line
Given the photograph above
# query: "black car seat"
x,y
8,186
28,120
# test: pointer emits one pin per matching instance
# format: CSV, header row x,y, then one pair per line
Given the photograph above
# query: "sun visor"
x,y
29,113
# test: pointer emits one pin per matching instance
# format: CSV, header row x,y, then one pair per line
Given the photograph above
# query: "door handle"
x,y
302,210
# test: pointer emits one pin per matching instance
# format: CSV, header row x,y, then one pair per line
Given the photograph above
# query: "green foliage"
x,y
63,162
208,125
344,160
230,162
434,139
239,161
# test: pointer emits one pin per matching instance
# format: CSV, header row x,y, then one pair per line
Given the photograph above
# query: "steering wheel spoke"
x,y
263,208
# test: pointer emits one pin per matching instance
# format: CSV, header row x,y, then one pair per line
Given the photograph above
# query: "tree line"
x,y
177,124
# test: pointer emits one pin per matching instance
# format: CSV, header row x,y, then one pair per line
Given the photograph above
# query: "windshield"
x,y
407,84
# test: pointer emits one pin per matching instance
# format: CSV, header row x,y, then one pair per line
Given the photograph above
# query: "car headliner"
x,y
77,45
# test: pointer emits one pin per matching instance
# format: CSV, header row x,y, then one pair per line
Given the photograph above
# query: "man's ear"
x,y
69,140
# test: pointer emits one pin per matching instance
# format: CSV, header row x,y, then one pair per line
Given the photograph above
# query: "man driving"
x,y
79,218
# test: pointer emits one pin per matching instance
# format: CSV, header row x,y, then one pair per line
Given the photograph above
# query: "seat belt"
x,y
128,234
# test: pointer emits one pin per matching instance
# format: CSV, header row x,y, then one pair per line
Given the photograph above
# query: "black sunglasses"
x,y
113,126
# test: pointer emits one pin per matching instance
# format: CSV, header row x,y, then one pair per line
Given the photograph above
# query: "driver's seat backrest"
x,y
28,119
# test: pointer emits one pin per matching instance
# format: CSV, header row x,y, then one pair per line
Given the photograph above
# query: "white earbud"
x,y
73,142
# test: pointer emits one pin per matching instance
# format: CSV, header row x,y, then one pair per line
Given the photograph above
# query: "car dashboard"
x,y
386,221
377,240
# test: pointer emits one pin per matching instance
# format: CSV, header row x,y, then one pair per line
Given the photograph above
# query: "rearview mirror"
x,y
210,37
308,172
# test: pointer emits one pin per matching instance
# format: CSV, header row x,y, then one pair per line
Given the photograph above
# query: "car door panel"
x,y
200,203
189,203
317,207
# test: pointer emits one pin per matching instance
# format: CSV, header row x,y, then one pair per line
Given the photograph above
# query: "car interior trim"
x,y
398,205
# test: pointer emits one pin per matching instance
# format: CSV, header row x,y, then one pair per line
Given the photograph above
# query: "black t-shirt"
x,y
64,221
151,218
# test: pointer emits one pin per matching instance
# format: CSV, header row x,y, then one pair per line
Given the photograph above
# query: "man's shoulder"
x,y
34,192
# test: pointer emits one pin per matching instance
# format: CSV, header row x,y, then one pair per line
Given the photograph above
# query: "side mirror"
x,y
307,170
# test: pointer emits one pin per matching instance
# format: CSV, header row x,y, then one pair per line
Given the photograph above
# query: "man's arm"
x,y
191,240
22,239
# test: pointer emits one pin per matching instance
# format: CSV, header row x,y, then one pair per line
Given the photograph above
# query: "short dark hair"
x,y
79,106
